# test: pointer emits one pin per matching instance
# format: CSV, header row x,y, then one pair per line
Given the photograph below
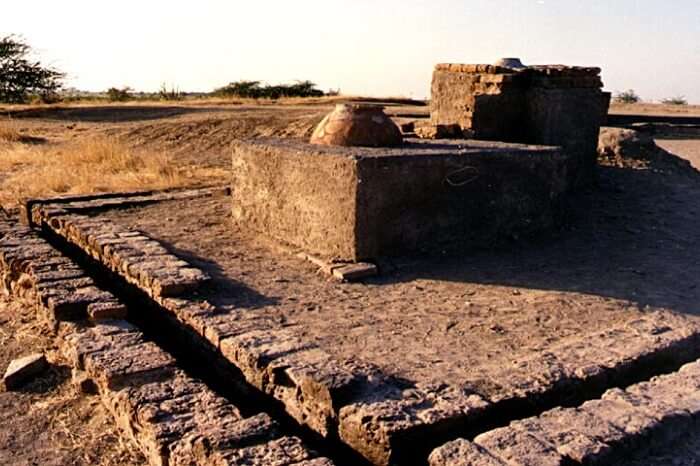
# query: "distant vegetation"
x,y
256,90
627,97
172,93
238,90
678,100
115,94
21,78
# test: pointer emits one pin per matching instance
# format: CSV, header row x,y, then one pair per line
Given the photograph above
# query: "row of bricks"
x,y
174,419
599,432
32,268
143,261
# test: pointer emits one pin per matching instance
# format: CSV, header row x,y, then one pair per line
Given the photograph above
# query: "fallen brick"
x,y
21,370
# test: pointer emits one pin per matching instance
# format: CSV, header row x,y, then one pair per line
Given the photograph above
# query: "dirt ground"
x,y
689,149
629,247
47,422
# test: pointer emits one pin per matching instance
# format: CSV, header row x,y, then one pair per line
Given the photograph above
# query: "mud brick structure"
x,y
551,105
348,400
358,203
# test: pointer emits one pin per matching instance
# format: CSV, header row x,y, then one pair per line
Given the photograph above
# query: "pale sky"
x,y
366,47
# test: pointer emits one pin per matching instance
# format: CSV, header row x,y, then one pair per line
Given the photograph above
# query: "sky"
x,y
362,47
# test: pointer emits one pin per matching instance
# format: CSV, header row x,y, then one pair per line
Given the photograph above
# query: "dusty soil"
x,y
47,422
689,149
643,108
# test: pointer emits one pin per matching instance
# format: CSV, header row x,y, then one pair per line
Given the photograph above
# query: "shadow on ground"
x,y
47,382
222,291
111,113
634,237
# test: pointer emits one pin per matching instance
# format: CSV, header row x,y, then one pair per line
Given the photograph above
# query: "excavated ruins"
x,y
197,319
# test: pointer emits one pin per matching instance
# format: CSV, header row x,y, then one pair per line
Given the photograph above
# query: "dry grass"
x,y
94,164
9,131
213,101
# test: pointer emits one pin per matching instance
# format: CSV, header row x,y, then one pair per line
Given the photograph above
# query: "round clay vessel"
x,y
513,63
357,125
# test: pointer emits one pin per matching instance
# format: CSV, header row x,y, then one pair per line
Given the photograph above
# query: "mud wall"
x,y
302,198
477,198
356,204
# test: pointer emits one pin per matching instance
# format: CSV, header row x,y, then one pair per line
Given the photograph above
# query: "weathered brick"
x,y
519,448
463,453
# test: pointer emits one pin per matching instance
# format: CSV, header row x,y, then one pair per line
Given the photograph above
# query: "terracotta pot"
x,y
357,125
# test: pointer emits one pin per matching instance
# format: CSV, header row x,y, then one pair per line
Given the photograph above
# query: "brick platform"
x,y
355,204
388,422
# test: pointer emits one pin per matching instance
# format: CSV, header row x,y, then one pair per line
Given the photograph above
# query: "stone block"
x,y
358,204
636,425
462,453
353,272
21,370
560,432
106,310
387,432
516,447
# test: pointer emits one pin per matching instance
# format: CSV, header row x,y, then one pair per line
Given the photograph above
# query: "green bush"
x,y
678,100
627,97
256,90
119,95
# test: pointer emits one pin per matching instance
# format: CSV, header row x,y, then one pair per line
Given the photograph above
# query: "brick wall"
x,y
553,105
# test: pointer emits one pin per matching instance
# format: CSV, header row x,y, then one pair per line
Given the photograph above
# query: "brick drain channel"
x,y
195,358
202,361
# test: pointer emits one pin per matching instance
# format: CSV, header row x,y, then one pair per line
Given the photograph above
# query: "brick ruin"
x,y
176,419
89,275
354,204
550,105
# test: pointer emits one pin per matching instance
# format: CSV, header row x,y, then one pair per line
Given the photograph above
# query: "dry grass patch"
x,y
9,131
95,164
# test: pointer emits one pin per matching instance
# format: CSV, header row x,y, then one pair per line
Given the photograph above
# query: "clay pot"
x,y
357,125
513,63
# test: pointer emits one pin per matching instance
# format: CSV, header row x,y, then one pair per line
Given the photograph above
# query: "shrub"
x,y
678,100
173,93
119,95
22,77
627,97
255,90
